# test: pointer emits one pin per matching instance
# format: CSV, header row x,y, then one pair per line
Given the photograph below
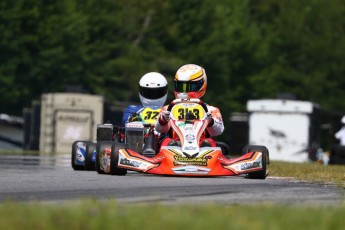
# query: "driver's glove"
x,y
210,119
134,117
164,117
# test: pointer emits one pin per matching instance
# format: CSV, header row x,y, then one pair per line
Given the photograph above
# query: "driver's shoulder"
x,y
212,108
133,108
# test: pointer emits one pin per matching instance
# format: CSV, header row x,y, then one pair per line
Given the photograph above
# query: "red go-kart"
x,y
187,157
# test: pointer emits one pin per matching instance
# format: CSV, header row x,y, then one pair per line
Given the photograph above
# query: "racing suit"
x,y
131,109
214,128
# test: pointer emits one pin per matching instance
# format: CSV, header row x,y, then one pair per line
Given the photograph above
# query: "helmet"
x,y
190,79
153,90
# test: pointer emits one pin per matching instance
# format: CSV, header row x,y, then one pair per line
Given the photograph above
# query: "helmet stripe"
x,y
197,75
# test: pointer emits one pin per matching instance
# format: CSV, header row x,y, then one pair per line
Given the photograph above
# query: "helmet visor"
x,y
188,86
153,93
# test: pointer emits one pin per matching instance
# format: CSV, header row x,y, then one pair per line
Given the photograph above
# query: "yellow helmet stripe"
x,y
197,75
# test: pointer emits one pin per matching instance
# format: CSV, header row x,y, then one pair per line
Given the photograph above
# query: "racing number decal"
x,y
182,113
150,115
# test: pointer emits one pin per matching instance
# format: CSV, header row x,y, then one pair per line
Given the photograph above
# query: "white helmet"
x,y
153,90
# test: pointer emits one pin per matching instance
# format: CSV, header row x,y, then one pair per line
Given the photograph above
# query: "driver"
x,y
153,91
191,79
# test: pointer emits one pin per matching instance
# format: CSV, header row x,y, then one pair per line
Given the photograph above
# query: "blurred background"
x,y
250,49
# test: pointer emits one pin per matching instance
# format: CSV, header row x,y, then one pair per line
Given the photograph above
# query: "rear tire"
x,y
89,164
97,164
104,132
114,170
262,174
74,155
100,147
337,156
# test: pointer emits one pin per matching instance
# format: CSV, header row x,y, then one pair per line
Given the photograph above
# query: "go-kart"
x,y
136,132
139,136
84,151
187,156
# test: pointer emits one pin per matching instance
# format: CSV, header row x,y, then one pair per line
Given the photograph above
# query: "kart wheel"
x,y
104,132
114,170
262,174
89,164
337,155
73,157
101,146
97,163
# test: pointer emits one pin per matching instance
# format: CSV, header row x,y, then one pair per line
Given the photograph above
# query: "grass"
x,y
93,214
312,172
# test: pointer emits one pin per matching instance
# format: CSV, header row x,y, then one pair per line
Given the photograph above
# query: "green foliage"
x,y
250,49
95,214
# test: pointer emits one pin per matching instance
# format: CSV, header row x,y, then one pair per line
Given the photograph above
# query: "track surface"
x,y
33,178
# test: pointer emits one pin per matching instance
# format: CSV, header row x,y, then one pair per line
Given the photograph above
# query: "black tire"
x,y
100,147
224,146
104,133
74,155
337,155
97,164
262,174
114,170
89,164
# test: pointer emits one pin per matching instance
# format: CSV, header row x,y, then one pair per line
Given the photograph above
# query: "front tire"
x,y
114,170
261,174
73,157
100,148
89,164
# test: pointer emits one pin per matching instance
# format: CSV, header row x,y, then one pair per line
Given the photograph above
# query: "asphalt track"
x,y
51,179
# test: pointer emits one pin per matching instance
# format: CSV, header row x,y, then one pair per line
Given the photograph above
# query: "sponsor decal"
x,y
191,170
250,165
81,153
134,125
190,148
104,162
80,158
181,160
180,124
125,161
93,158
187,105
105,159
189,137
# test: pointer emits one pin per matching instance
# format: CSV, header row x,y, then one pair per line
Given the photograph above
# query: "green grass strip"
x,y
93,214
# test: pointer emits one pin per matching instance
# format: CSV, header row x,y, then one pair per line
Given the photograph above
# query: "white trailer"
x,y
285,127
66,117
